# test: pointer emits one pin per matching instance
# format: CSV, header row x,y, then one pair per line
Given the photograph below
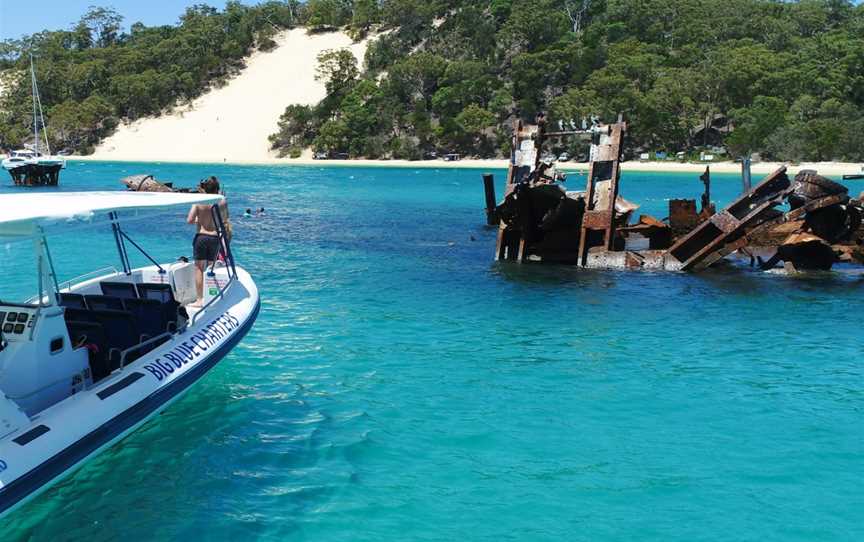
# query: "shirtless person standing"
x,y
205,245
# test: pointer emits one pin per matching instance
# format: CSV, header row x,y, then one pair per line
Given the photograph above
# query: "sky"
x,y
20,17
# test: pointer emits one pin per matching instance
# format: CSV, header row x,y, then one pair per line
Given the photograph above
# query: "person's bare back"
x,y
202,216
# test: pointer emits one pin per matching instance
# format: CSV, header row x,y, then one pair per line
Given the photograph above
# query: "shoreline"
x,y
760,168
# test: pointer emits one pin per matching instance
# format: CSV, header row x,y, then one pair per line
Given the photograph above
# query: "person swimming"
x,y
248,213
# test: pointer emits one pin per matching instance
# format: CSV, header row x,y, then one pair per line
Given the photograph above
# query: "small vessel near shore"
x,y
30,166
85,362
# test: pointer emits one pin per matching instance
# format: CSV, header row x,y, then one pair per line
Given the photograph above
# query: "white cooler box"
x,y
182,280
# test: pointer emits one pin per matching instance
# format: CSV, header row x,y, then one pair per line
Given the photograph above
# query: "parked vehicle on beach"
x,y
85,362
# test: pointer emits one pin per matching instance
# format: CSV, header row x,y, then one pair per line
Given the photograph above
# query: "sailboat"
x,y
30,166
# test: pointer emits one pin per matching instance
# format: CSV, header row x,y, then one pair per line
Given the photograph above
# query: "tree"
x,y
297,127
415,79
327,14
337,68
755,124
79,125
576,11
475,120
99,26
333,136
365,13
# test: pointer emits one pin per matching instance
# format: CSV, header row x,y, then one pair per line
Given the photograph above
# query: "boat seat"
x,y
92,336
75,314
149,314
159,292
126,290
71,300
163,294
102,302
121,332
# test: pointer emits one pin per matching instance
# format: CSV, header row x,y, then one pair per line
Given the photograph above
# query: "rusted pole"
x,y
745,173
489,189
706,180
541,137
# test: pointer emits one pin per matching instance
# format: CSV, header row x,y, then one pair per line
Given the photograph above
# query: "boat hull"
x,y
161,378
35,174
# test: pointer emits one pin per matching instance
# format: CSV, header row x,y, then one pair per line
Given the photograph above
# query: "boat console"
x,y
38,366
16,321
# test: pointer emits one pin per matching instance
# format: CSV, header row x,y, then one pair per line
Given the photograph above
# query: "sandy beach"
x,y
826,168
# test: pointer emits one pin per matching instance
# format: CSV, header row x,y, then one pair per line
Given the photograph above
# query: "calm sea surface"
x,y
399,385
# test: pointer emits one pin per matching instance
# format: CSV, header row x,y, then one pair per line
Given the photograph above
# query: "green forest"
x,y
781,79
94,75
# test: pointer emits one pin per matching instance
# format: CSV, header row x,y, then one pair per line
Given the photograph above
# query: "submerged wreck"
x,y
539,220
148,183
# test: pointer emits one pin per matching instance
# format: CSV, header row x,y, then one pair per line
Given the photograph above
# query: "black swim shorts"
x,y
205,247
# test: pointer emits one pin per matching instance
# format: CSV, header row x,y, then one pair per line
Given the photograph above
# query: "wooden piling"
x,y
745,174
489,189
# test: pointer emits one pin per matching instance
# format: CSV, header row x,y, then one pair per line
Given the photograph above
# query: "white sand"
x,y
758,169
232,123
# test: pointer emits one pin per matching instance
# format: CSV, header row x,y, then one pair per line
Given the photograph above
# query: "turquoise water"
x,y
399,385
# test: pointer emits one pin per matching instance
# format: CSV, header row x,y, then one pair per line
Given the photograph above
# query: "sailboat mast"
x,y
37,106
33,90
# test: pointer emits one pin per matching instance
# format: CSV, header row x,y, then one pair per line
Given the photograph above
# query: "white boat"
x,y
86,362
29,166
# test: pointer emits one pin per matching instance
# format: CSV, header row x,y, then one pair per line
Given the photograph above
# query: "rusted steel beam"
x,y
814,205
728,225
604,166
489,191
596,220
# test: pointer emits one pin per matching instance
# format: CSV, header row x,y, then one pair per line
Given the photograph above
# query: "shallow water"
x,y
399,385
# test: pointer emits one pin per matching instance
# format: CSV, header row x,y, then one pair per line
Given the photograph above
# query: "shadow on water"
x,y
729,277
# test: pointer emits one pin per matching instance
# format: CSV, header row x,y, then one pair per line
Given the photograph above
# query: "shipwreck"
x,y
807,222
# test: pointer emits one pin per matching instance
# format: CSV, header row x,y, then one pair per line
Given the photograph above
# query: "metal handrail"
x,y
141,345
142,251
219,296
68,283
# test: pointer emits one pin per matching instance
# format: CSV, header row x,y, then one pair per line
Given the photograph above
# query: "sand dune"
x,y
232,123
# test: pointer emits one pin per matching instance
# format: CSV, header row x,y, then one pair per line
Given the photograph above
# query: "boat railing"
x,y
148,342
215,298
66,285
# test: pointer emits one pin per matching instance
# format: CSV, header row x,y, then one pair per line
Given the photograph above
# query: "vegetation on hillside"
x,y
453,75
93,75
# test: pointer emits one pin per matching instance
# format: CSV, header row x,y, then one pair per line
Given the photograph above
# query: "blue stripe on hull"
x,y
25,485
